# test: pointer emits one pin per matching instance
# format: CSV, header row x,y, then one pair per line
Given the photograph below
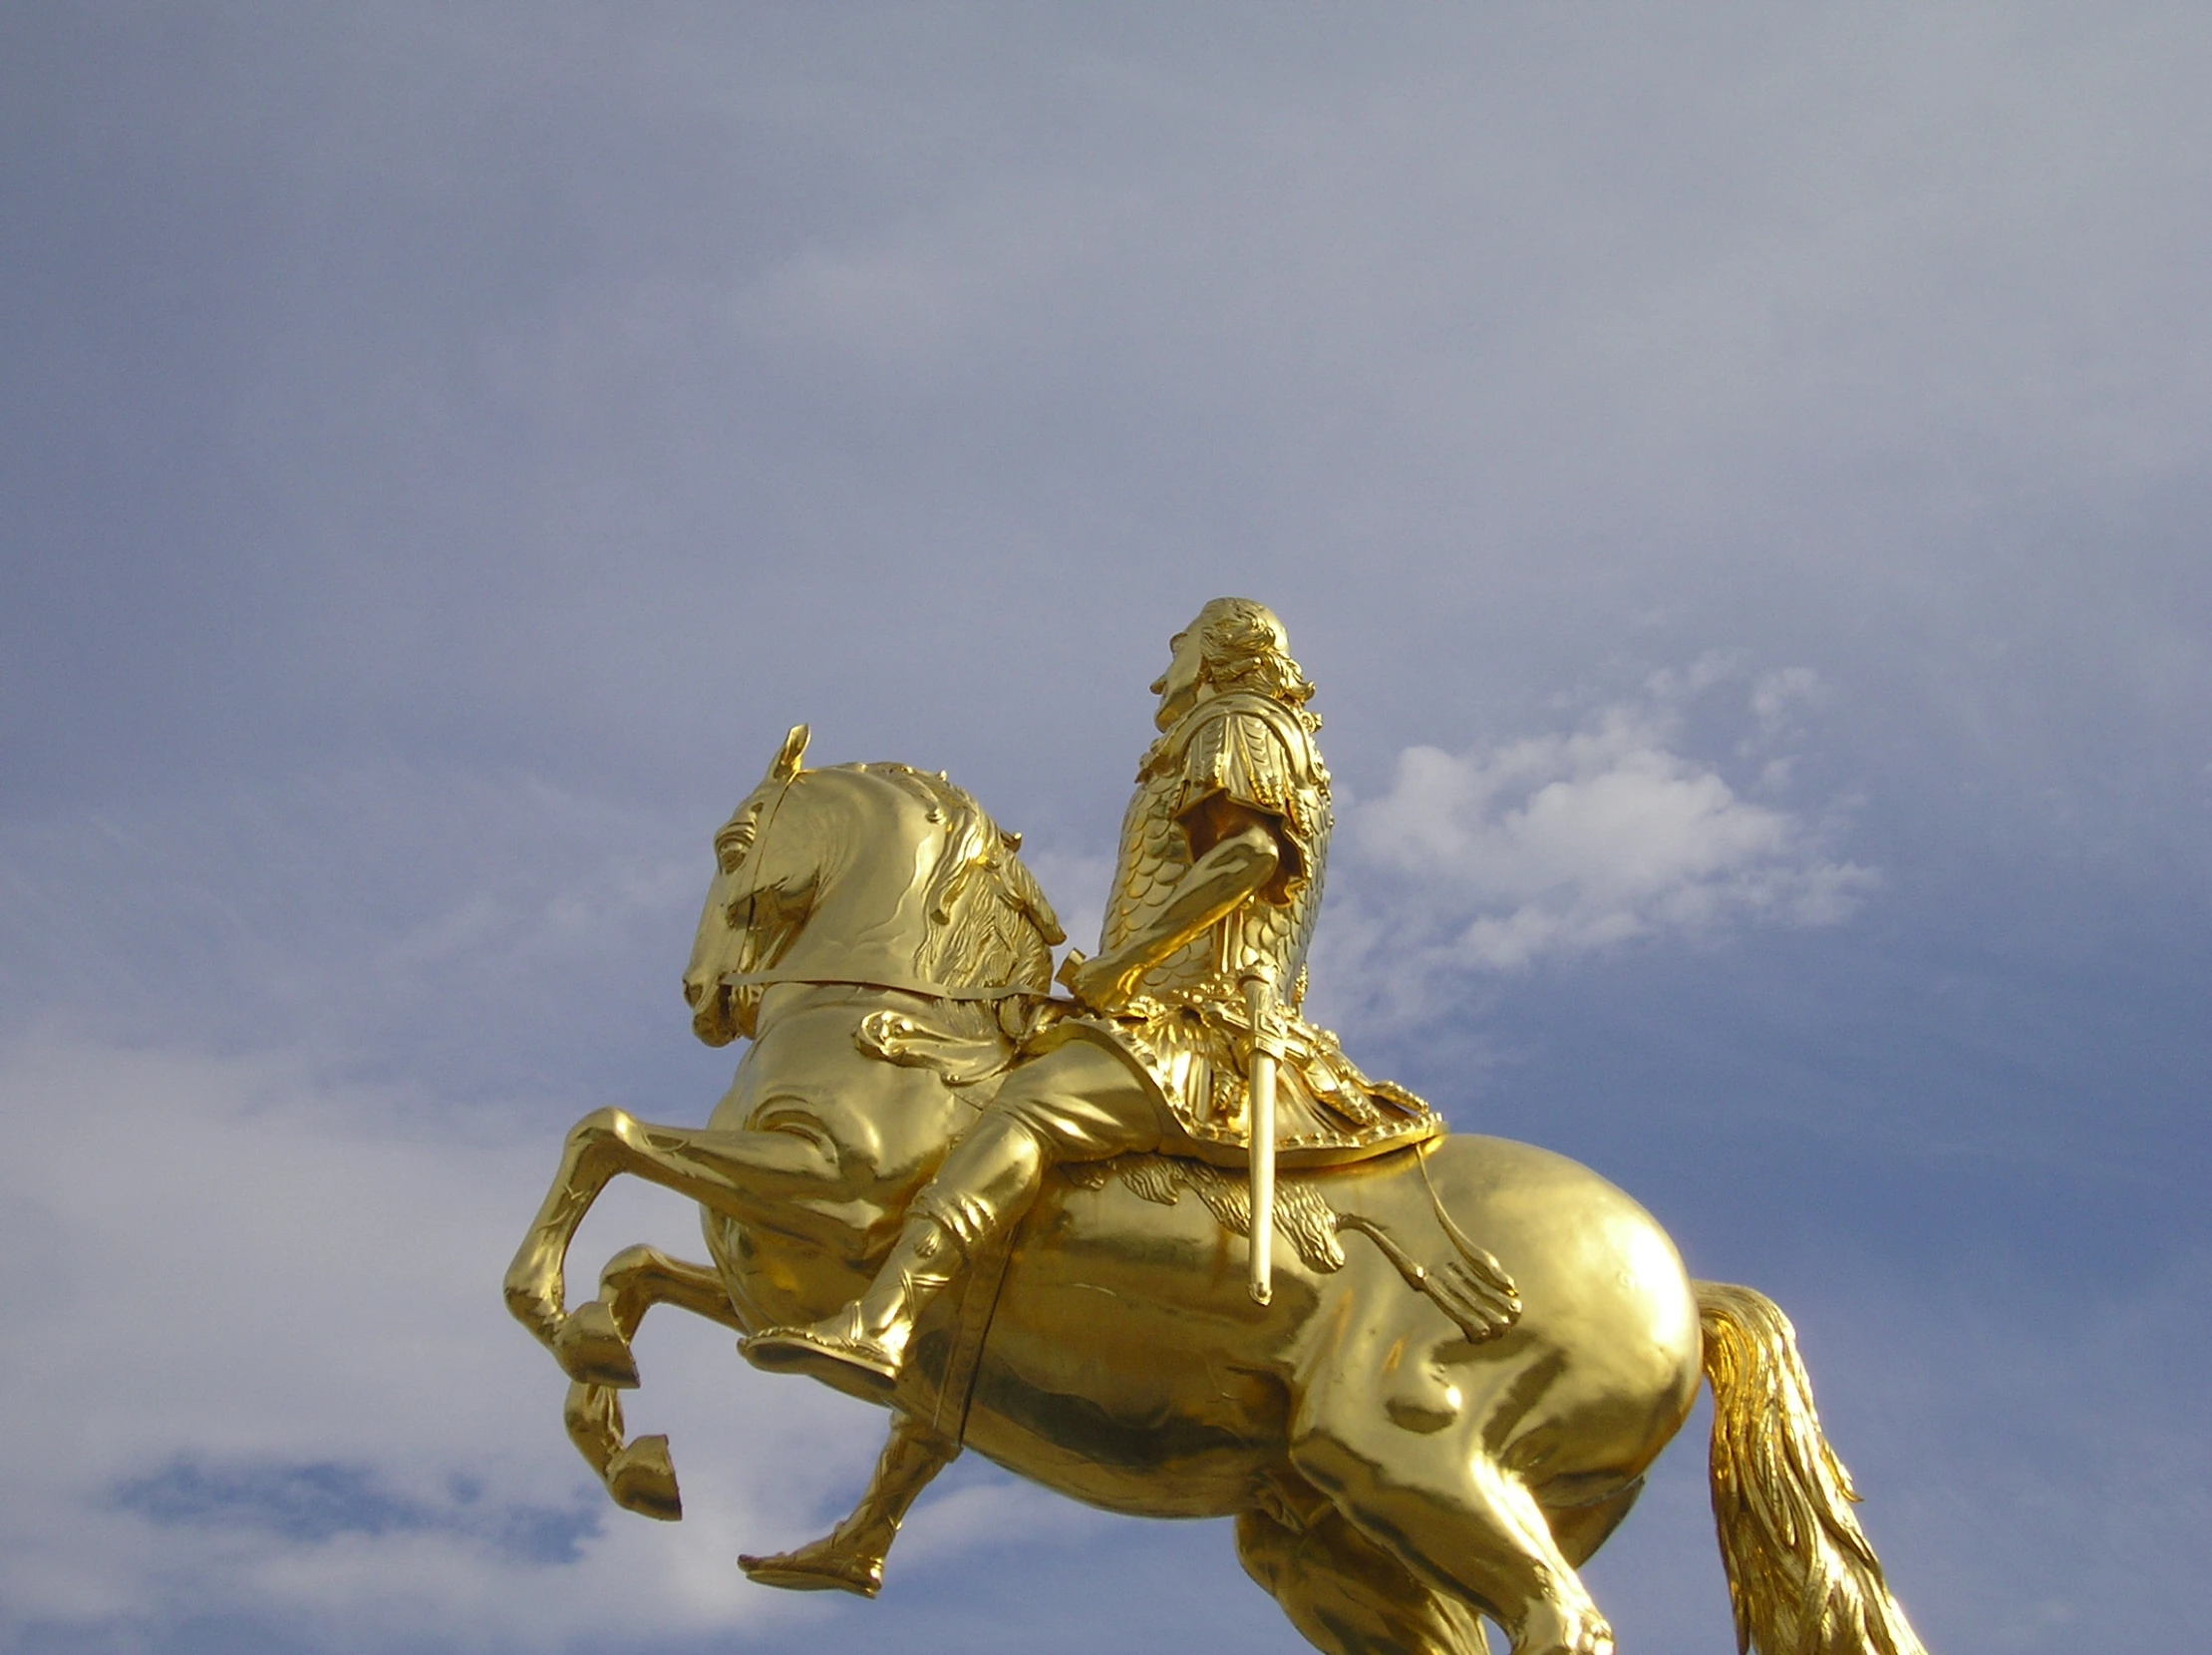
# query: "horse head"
x,y
861,873
751,901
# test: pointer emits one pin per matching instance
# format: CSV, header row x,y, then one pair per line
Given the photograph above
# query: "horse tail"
x,y
1801,1577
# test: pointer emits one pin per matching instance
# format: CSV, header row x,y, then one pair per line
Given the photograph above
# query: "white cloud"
x,y
1554,846
258,1349
1774,694
381,909
1000,1513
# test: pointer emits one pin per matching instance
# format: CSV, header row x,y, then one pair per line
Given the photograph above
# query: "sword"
x,y
1259,996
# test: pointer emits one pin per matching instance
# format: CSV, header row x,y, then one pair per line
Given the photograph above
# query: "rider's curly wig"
x,y
1244,647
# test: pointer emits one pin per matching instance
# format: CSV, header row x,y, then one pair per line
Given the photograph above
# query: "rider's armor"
x,y
1165,1070
1186,1024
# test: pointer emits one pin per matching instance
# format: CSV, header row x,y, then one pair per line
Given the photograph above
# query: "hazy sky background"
x,y
1740,476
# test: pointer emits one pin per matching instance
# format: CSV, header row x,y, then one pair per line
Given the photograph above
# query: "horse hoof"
x,y
818,1567
1562,1629
593,1351
642,1478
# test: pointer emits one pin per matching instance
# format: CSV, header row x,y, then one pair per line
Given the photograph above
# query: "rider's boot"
x,y
850,1559
984,1187
860,1350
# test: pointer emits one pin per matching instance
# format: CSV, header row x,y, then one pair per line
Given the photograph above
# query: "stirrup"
x,y
849,1362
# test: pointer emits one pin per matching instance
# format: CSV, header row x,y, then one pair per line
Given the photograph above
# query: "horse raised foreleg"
x,y
638,1475
594,1339
740,1173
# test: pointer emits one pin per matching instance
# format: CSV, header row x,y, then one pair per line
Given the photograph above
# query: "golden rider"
x,y
1217,883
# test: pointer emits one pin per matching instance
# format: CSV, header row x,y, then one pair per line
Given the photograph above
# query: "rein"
x,y
902,985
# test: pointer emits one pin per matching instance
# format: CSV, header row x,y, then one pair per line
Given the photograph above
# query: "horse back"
x,y
1127,1366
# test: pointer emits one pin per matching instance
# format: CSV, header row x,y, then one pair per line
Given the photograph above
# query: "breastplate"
x,y
1155,856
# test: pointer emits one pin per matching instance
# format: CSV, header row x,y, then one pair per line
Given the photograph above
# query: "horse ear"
x,y
792,758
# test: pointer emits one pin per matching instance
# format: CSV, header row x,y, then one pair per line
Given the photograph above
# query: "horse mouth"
x,y
709,1009
720,1011
714,1019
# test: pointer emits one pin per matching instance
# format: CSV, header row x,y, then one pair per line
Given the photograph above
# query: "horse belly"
x,y
1127,1367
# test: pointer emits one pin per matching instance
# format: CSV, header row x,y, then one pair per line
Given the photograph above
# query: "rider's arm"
x,y
1242,856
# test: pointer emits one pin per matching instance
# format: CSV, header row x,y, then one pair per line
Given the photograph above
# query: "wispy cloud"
x,y
267,1308
371,908
445,446
1572,842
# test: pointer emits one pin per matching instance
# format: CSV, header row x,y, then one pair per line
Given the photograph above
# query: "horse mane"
x,y
990,922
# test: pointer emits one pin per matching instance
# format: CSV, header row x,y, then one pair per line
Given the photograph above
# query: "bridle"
x,y
903,985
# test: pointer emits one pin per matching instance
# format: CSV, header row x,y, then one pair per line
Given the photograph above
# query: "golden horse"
x,y
1417,1432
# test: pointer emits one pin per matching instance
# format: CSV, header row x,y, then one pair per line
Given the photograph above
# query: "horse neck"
x,y
869,919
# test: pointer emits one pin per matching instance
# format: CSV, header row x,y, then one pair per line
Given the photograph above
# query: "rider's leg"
x,y
1076,1102
851,1557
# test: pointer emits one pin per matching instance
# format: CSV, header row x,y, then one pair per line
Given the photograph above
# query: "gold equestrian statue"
x,y
1100,1239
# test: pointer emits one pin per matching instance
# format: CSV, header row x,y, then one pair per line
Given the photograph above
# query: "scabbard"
x,y
1258,996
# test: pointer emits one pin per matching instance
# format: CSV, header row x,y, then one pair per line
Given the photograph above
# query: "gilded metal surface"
x,y
1259,1010
934,1184
1217,884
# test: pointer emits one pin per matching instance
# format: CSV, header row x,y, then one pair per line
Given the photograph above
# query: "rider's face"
x,y
1177,687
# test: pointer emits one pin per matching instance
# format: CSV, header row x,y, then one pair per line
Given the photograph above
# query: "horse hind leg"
x,y
639,1475
1349,1596
1581,1530
1433,1498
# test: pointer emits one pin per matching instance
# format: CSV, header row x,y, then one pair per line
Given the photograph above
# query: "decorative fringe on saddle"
x,y
1473,1291
1801,1577
1301,1214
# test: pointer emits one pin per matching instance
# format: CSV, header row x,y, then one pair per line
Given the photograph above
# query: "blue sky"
x,y
1737,475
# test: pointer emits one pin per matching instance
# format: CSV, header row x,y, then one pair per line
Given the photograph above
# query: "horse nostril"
x,y
694,993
